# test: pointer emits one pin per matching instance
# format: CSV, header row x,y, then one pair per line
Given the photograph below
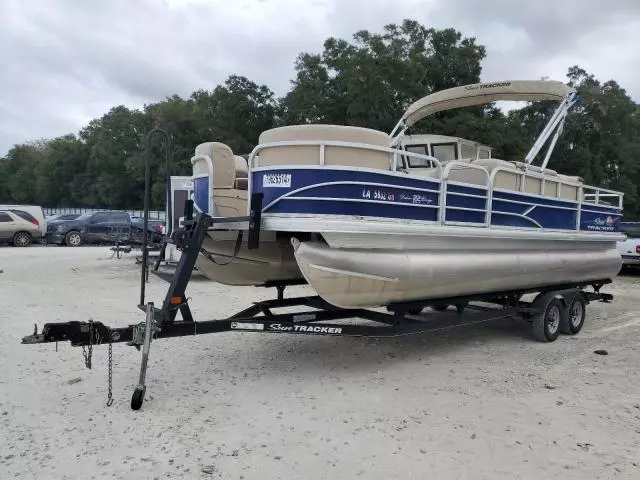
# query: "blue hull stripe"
x,y
326,191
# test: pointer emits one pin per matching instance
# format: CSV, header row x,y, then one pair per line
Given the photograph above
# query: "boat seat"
x,y
571,179
535,168
425,172
473,176
333,155
570,186
230,173
508,180
242,173
492,163
224,163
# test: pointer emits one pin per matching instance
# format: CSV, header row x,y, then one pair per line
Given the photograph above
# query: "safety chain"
x,y
87,356
110,392
87,353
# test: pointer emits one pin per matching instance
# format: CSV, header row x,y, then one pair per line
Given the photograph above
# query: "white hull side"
x,y
352,278
378,233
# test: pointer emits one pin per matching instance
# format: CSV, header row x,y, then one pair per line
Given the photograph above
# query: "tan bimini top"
x,y
482,93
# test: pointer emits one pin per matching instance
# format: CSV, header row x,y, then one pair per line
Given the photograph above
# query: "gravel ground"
x,y
480,402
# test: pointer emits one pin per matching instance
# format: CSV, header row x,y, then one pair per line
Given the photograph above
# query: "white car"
x,y
630,248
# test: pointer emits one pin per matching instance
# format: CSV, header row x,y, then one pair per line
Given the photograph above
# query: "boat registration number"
x,y
276,180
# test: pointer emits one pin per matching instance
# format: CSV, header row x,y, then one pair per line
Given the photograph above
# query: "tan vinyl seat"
x,y
492,163
509,180
224,163
230,199
426,172
333,155
242,173
570,186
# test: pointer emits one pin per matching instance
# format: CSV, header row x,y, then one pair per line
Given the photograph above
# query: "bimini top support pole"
x,y
399,129
555,123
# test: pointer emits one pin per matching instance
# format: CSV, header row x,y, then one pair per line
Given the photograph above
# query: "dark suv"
x,y
96,227
106,227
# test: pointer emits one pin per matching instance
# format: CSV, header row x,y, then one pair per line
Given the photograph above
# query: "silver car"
x,y
18,228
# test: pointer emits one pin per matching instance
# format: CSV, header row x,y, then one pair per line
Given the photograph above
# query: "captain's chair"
x,y
230,174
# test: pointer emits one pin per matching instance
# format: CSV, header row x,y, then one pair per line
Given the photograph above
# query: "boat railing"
x,y
585,196
395,154
603,196
445,182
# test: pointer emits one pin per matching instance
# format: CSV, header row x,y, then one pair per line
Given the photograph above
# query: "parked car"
x,y
103,227
630,248
90,228
63,216
36,212
155,225
19,228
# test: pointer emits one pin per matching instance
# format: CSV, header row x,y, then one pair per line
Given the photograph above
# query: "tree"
x,y
114,176
372,81
235,113
22,164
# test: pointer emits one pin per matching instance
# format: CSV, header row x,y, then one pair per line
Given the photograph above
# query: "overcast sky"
x,y
65,62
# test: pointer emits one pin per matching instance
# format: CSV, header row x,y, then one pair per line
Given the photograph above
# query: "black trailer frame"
x,y
556,309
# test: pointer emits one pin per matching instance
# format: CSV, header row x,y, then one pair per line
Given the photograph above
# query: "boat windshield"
x,y
415,162
444,152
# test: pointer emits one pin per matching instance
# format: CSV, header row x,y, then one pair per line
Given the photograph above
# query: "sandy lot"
x,y
481,402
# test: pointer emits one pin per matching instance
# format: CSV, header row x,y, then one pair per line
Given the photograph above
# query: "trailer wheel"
x,y
573,321
546,325
415,311
137,399
440,307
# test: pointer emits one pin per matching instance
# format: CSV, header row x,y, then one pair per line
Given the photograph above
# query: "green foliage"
x,y
372,81
368,81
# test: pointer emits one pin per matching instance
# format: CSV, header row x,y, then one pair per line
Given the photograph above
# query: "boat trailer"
x,y
556,309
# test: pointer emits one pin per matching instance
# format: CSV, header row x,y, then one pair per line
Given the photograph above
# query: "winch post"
x,y
138,394
255,220
175,299
193,237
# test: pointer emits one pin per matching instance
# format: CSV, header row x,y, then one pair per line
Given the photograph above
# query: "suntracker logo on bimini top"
x,y
482,86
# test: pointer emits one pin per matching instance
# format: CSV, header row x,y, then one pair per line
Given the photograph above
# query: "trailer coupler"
x,y
77,333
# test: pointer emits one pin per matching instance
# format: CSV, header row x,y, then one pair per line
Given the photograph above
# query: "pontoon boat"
x,y
370,219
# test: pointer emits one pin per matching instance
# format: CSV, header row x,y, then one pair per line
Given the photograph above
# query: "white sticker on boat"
x,y
246,326
280,180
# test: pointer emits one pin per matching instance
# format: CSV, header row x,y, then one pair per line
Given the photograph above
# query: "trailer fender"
x,y
565,296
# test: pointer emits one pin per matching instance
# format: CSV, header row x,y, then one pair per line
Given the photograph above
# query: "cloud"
x,y
66,62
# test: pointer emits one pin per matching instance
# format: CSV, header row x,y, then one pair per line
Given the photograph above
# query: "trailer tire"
x,y
546,325
575,315
440,307
137,398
